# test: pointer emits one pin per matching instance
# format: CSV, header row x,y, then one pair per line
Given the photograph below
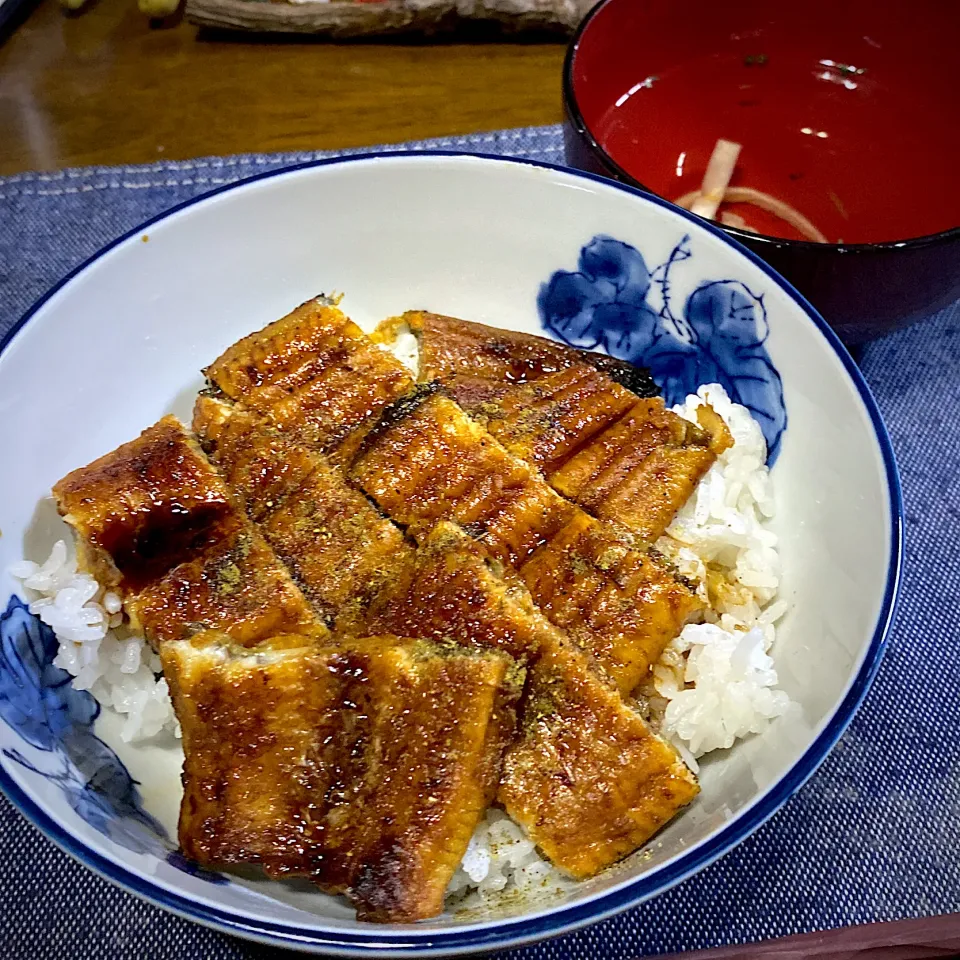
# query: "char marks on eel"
x,y
622,604
593,425
273,710
365,766
422,459
340,550
425,463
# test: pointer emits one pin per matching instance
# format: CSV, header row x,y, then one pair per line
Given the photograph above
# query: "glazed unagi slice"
x,y
443,717
143,507
548,420
237,585
428,461
364,766
568,411
341,551
425,460
457,592
353,563
587,778
541,399
622,604
314,374
156,523
251,720
644,467
492,359
612,766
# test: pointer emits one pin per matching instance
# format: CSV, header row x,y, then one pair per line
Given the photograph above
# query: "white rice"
x,y
502,862
120,670
405,347
717,677
716,682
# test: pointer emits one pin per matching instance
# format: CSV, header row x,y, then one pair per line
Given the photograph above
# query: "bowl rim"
x,y
582,129
511,931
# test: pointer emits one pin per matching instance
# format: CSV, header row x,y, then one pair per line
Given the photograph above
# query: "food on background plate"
x,y
716,190
440,530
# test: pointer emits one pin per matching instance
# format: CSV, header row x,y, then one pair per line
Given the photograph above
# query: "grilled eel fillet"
x,y
339,549
156,523
313,374
453,590
423,460
155,520
431,462
576,415
350,561
364,766
587,777
492,360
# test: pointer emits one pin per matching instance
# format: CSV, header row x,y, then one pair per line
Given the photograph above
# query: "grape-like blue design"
x,y
719,337
38,702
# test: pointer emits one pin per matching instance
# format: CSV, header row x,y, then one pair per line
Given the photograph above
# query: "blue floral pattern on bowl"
x,y
38,702
614,301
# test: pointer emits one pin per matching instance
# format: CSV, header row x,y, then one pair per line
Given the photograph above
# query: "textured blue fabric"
x,y
873,836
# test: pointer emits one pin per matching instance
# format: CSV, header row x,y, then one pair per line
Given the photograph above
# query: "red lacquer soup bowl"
x,y
847,112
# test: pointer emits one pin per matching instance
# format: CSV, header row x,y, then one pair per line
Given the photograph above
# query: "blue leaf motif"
x,y
675,367
36,698
604,304
627,331
731,326
569,300
106,781
139,833
608,261
720,336
39,703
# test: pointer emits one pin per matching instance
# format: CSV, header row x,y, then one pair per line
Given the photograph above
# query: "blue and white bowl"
x,y
512,244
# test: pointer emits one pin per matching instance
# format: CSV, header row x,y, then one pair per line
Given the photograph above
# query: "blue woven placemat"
x,y
873,836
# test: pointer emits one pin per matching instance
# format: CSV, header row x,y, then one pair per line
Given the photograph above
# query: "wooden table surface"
x,y
104,87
